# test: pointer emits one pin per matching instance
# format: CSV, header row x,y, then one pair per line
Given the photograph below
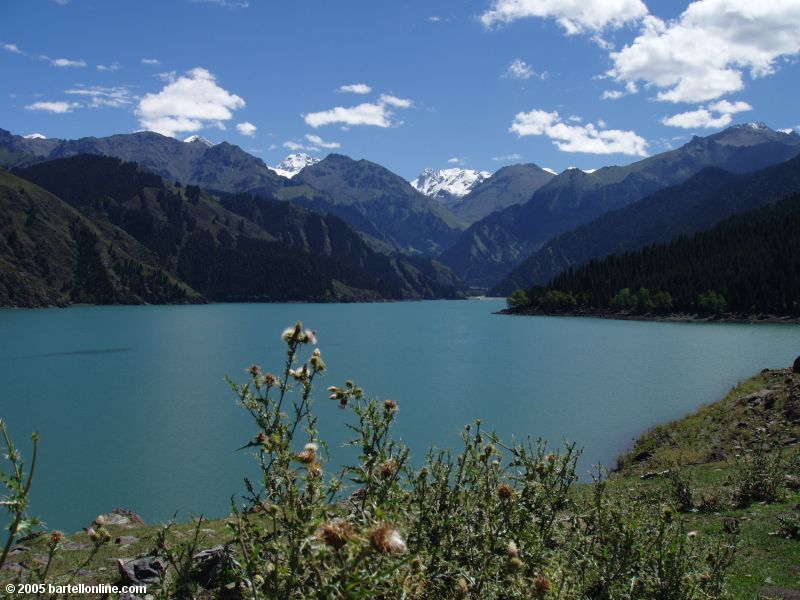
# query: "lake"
x,y
133,410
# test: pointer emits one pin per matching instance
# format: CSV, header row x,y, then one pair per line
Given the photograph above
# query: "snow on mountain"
x,y
549,170
34,136
199,139
448,184
293,164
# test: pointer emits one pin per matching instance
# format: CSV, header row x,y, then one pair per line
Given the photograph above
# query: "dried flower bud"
x,y
551,458
261,437
100,520
309,337
55,538
307,456
512,549
316,352
542,585
315,470
515,563
387,469
505,491
270,379
387,540
462,588
390,406
336,533
254,370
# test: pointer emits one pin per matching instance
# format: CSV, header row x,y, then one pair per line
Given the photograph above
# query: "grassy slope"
x,y
765,564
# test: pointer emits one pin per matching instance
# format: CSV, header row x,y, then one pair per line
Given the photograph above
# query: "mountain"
x,y
493,246
51,254
236,248
376,202
196,161
448,185
701,201
199,139
293,164
746,264
509,186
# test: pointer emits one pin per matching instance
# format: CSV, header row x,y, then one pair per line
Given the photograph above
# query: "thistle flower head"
x,y
388,540
505,491
387,469
336,533
462,588
316,352
542,585
311,446
254,370
100,520
310,337
307,456
315,470
55,538
261,437
270,379
390,406
512,549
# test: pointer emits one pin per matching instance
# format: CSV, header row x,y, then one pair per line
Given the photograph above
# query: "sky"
x,y
426,83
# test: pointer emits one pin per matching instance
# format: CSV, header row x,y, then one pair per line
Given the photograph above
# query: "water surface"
x,y
133,411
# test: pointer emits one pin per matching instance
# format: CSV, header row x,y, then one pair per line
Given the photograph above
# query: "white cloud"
x,y
703,117
12,48
726,106
355,88
246,128
395,101
508,157
151,61
318,141
189,103
114,97
697,118
518,69
112,67
434,19
455,161
578,138
574,16
377,114
298,147
227,3
706,51
612,95
53,107
64,62
788,129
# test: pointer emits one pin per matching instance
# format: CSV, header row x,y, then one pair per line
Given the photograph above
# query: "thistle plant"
x,y
18,486
493,520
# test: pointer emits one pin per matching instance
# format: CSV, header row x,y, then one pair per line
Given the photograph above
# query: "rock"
x,y
792,482
796,365
18,549
126,540
211,563
122,517
654,474
643,456
143,571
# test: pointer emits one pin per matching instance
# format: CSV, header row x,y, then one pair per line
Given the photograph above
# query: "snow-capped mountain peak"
x,y
199,139
293,164
448,184
34,136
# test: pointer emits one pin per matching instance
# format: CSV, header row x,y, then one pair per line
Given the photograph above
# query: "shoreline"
x,y
671,318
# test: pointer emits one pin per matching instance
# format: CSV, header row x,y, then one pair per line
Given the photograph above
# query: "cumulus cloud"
x,y
705,53
575,16
355,88
697,118
246,128
578,138
189,103
64,62
518,69
318,141
377,114
98,96
53,107
704,117
612,95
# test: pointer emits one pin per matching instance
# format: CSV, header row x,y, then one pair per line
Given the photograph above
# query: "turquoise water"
x,y
133,411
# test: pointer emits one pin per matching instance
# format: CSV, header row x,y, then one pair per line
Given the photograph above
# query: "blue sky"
x,y
477,83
